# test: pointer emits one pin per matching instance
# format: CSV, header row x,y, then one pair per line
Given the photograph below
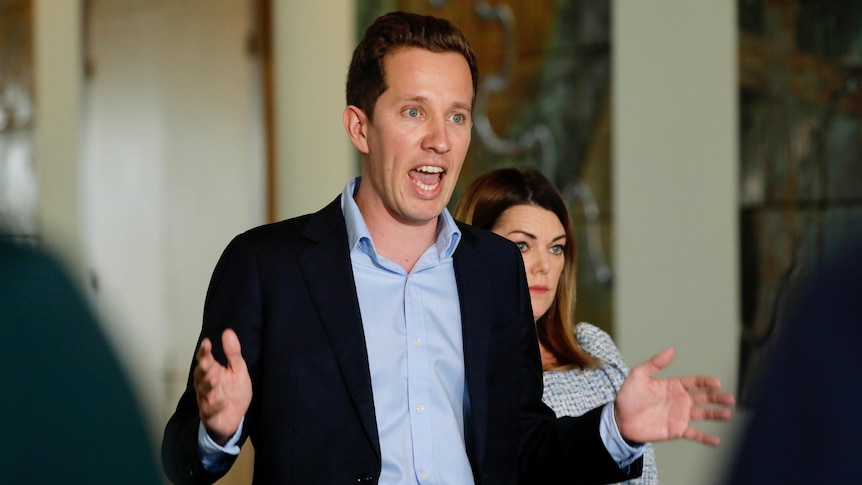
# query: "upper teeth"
x,y
430,169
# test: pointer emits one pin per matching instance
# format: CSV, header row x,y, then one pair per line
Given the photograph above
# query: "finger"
x,y
710,414
697,383
202,358
204,350
204,381
204,378
206,390
713,397
657,362
233,350
663,358
699,436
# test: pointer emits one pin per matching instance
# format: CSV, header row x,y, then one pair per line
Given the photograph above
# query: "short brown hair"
x,y
366,79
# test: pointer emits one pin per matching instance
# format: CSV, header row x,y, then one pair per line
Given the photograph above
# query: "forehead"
x,y
532,219
413,70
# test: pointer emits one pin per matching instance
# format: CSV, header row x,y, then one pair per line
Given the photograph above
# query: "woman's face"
x,y
541,239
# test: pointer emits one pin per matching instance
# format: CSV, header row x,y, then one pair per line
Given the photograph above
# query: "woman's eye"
x,y
558,249
412,112
522,246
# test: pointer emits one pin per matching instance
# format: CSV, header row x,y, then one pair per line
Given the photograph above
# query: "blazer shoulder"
x,y
483,239
481,254
312,226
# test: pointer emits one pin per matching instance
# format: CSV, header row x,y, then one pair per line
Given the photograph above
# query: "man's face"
x,y
416,145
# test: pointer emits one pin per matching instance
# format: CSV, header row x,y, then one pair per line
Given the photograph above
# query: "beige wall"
x,y
675,208
57,82
313,46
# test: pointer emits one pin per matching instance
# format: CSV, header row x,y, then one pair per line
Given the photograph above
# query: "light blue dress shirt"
x,y
412,325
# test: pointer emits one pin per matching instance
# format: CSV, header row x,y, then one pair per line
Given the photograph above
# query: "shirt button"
x,y
420,409
417,342
425,475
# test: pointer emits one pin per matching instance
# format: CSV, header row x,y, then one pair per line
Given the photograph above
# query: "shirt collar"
x,y
448,233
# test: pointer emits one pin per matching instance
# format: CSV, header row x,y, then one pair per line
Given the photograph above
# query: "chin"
x,y
427,212
539,313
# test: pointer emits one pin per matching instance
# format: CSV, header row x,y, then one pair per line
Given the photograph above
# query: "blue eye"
x,y
558,249
412,112
458,118
522,246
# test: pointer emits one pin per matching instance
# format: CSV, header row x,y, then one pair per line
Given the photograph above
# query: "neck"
x,y
400,241
549,361
403,244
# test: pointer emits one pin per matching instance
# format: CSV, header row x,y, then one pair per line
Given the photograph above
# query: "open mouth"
x,y
427,177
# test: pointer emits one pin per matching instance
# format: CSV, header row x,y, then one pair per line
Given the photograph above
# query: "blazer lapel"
x,y
329,276
475,327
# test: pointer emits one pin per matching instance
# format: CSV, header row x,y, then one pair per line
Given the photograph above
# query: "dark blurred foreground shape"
x,y
68,412
806,423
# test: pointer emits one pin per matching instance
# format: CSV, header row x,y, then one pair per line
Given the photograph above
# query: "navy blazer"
x,y
287,289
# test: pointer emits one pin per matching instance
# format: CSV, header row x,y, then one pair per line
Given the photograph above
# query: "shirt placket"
x,y
418,379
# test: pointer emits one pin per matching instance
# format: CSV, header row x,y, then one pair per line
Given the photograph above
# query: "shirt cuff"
x,y
620,450
215,457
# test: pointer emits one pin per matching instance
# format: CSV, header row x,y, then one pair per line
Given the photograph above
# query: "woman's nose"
x,y
541,264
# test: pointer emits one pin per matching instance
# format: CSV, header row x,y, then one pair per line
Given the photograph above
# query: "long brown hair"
x,y
366,79
482,204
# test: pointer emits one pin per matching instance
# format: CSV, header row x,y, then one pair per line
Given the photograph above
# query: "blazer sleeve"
x,y
233,300
558,450
179,446
570,449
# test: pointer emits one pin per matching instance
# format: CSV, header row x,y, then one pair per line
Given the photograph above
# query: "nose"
x,y
437,136
541,263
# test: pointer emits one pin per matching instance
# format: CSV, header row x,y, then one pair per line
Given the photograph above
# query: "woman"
x,y
582,367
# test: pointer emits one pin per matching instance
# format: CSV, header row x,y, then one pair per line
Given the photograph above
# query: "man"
x,y
379,341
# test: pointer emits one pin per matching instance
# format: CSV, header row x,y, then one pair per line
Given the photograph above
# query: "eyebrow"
x,y
416,99
533,236
525,233
465,107
422,99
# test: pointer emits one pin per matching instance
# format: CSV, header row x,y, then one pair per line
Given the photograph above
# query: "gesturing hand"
x,y
651,409
223,393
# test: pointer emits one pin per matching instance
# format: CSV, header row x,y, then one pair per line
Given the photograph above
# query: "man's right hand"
x,y
223,393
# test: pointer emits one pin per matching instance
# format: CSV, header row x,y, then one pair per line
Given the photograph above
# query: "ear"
x,y
356,124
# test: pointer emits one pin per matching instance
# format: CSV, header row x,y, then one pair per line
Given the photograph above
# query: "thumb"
x,y
232,349
658,361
